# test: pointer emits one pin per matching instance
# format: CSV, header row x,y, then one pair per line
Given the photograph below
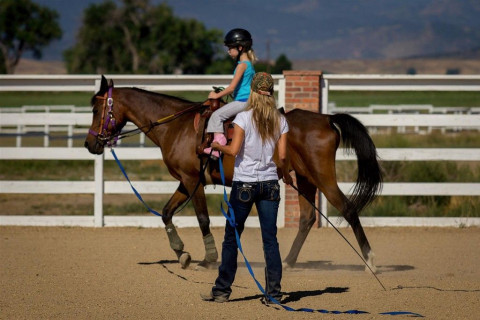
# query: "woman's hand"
x,y
287,179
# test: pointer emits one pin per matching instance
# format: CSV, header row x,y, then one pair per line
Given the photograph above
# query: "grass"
x,y
436,139
435,98
341,98
395,171
79,99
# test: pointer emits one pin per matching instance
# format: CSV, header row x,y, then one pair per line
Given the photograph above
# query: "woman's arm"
x,y
241,67
283,163
237,140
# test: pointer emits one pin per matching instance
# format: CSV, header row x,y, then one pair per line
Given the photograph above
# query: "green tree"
x,y
282,63
139,37
25,26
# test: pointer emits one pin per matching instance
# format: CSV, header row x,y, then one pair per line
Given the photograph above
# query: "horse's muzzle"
x,y
94,148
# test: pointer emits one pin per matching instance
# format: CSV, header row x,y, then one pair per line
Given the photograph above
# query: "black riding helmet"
x,y
238,37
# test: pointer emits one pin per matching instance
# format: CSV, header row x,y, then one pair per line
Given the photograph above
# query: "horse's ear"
x,y
110,84
103,85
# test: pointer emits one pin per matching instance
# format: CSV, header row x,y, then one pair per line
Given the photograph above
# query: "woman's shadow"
x,y
293,296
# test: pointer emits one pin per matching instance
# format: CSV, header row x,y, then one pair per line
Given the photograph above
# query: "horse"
x,y
313,140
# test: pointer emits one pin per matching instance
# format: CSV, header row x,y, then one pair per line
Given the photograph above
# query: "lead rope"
x,y
230,216
139,196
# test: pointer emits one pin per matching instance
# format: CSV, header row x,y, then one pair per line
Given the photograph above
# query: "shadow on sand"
x,y
304,266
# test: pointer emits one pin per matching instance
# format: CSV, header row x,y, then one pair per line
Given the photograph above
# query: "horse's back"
x,y
308,127
312,141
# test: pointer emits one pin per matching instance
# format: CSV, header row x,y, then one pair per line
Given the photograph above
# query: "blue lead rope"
x,y
139,196
230,216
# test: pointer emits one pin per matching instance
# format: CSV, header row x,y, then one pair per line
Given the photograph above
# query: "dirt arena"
x,y
130,273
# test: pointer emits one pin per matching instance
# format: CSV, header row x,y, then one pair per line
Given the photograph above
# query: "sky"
x,y
311,29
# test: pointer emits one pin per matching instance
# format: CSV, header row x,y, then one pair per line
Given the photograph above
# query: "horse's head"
x,y
106,122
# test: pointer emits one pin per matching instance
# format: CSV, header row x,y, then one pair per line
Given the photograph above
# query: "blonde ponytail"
x,y
251,55
266,117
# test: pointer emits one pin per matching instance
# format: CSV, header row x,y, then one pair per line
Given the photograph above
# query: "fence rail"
x,y
98,186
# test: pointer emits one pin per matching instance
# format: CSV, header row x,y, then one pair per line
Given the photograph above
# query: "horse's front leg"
x,y
200,204
179,197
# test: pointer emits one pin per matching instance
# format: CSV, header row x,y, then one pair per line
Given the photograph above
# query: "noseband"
x,y
108,119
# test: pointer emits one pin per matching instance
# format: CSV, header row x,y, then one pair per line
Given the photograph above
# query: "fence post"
x,y
99,190
303,90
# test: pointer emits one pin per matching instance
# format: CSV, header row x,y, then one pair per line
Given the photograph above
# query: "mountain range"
x,y
319,29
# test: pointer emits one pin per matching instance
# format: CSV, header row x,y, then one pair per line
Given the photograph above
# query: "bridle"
x,y
108,119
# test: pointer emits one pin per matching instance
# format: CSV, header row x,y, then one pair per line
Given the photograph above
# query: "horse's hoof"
x,y
205,265
370,263
287,266
185,260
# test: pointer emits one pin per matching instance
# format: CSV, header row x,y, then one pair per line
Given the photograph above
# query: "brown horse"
x,y
312,143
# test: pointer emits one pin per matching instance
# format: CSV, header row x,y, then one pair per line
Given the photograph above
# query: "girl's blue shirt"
x,y
242,91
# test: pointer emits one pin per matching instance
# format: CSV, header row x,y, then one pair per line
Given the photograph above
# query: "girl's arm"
x,y
234,148
283,163
240,70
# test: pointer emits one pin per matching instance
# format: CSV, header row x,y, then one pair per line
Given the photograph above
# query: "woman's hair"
x,y
266,117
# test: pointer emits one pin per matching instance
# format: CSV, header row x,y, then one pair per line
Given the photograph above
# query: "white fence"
x,y
98,187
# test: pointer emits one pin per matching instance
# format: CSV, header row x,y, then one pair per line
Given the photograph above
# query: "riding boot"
x,y
217,137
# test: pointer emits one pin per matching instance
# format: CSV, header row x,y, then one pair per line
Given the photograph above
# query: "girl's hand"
x,y
213,95
215,145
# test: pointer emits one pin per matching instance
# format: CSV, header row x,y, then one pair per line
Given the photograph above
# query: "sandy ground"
x,y
131,273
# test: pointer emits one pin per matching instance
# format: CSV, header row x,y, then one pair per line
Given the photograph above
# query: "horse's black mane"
x,y
155,94
164,95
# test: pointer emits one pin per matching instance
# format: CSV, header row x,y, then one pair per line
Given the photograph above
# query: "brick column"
x,y
302,91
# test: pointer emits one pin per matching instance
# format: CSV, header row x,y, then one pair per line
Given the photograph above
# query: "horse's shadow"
x,y
320,265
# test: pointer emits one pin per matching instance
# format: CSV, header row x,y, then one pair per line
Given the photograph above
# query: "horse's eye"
x,y
94,110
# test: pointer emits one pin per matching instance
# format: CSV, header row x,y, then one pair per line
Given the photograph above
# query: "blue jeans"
x,y
266,196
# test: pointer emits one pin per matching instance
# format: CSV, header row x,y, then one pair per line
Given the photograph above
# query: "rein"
x,y
108,120
104,135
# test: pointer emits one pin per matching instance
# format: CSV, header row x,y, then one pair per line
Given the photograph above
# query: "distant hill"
x,y
461,62
321,29
339,66
465,54
29,66
392,66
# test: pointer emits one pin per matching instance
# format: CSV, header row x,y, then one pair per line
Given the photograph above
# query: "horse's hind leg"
x,y
336,197
176,243
307,219
352,217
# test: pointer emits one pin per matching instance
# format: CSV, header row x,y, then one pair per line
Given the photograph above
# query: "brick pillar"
x,y
302,91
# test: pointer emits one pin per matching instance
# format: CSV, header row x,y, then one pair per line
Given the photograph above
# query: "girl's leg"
x,y
215,123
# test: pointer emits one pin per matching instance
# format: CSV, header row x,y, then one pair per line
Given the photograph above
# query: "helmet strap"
x,y
240,52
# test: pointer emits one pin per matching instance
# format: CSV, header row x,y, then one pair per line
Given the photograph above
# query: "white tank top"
x,y
254,162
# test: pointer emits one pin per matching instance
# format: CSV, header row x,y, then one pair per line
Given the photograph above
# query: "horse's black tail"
x,y
369,180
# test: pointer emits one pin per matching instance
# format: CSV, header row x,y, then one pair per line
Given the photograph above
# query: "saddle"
x,y
204,139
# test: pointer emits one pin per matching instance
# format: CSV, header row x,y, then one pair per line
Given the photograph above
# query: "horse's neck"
x,y
154,111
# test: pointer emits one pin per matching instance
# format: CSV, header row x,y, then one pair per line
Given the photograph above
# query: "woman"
x,y
258,132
